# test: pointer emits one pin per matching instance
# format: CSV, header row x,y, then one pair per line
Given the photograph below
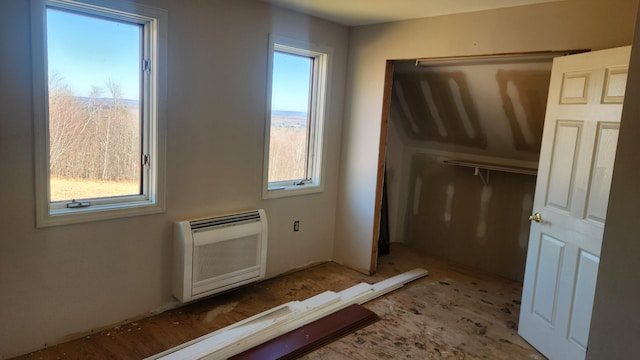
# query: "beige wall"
x,y
570,24
615,323
71,279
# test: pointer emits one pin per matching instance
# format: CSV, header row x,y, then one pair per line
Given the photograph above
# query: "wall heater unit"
x,y
216,254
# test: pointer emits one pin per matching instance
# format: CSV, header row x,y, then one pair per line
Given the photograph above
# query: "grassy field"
x,y
287,154
69,189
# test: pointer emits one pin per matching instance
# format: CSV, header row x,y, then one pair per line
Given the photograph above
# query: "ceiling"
x,y
365,12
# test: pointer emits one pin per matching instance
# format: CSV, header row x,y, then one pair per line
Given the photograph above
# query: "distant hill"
x,y
127,103
286,113
288,119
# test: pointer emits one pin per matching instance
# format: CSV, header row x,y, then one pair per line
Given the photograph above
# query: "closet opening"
x,y
459,149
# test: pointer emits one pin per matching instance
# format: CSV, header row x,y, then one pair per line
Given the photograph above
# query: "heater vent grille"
x,y
220,253
222,221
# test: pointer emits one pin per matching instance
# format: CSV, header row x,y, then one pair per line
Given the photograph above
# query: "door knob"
x,y
535,217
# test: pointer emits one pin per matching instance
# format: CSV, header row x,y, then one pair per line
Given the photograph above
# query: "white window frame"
x,y
321,57
154,89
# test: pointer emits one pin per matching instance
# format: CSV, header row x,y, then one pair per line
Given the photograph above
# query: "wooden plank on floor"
x,y
311,336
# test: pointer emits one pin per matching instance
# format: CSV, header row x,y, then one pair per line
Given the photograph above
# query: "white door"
x,y
572,191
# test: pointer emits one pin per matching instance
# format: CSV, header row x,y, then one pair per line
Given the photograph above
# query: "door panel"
x,y
604,156
562,174
546,287
614,85
575,87
583,298
572,190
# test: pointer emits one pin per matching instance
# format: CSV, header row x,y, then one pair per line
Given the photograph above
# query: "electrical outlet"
x,y
296,225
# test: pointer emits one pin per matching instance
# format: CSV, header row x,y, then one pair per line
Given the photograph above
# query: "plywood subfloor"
x,y
454,313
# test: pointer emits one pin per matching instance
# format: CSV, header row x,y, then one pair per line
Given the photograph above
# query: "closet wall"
x,y
483,110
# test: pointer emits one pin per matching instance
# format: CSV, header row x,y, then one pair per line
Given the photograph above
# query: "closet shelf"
x,y
496,167
488,167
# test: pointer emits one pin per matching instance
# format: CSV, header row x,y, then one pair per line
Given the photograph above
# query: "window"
x,y
295,118
99,128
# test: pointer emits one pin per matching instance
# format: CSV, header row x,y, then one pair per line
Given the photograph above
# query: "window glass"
x,y
290,117
94,67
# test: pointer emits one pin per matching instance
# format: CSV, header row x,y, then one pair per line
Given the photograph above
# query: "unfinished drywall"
x,y
487,108
62,282
451,213
571,24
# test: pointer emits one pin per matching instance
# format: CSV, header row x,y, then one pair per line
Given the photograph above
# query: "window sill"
x,y
291,190
95,213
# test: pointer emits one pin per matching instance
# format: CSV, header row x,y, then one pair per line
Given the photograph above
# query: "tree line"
x,y
95,137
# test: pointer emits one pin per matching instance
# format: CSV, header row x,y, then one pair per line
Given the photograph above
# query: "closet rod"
x,y
488,167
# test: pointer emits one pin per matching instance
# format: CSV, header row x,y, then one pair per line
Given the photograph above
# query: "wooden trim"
x,y
255,330
382,152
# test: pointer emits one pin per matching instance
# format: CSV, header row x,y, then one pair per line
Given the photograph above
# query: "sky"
x,y
290,83
87,51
